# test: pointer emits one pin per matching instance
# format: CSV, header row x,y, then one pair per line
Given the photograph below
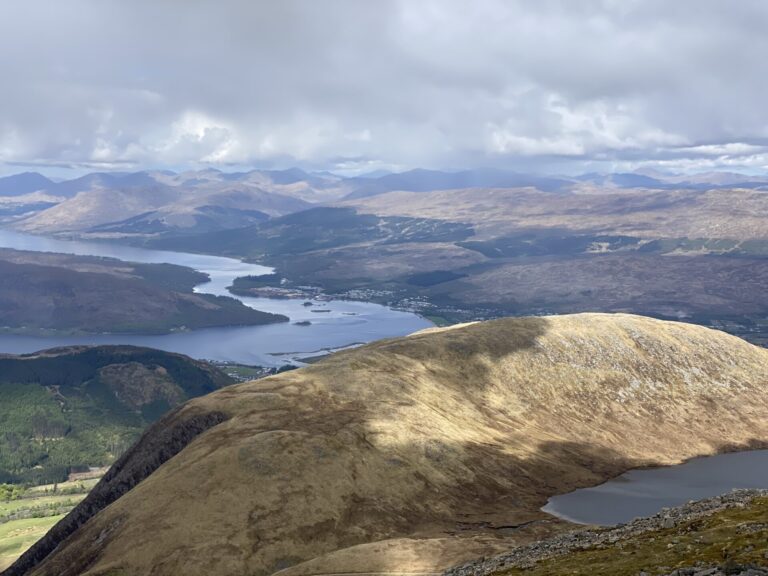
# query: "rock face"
x,y
415,454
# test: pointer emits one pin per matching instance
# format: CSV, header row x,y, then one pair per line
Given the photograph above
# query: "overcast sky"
x,y
356,85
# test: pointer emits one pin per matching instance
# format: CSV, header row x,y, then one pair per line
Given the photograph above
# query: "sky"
x,y
354,86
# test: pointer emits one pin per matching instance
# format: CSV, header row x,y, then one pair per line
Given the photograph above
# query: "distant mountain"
x,y
316,229
410,455
659,181
71,408
69,188
98,205
164,203
114,204
20,184
199,220
375,174
291,176
299,184
626,180
429,180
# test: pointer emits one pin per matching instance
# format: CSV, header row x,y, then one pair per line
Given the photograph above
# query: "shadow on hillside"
x,y
493,338
492,506
402,475
490,483
471,352
495,508
138,463
491,493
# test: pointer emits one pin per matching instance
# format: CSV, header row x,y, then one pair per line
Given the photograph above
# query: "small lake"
x,y
343,323
645,492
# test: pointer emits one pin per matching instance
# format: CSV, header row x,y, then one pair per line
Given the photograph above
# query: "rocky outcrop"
x,y
529,556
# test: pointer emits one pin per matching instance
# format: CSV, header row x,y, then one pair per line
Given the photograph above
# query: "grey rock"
x,y
528,556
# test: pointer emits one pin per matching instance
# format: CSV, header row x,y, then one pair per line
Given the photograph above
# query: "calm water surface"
x,y
645,492
347,323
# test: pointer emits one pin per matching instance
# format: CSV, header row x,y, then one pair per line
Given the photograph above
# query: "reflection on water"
x,y
346,323
645,492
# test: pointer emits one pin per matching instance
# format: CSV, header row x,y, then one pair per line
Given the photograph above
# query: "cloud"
x,y
342,83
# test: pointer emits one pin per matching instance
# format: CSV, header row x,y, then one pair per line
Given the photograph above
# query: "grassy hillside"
x,y
42,292
649,214
315,229
412,454
71,408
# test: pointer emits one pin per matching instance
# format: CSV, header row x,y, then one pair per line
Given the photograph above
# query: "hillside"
x,y
147,204
413,454
317,229
461,255
24,183
150,210
736,214
83,406
44,292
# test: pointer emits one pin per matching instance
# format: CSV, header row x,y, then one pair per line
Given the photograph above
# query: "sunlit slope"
x,y
416,453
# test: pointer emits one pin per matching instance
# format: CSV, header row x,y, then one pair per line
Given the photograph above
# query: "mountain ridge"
x,y
110,204
23,183
413,454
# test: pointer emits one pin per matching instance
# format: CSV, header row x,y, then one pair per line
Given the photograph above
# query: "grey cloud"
x,y
438,83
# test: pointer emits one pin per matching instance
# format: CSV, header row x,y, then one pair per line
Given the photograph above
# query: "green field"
x,y
39,504
73,487
25,520
18,535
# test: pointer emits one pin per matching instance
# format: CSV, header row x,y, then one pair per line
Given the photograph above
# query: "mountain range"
x,y
150,203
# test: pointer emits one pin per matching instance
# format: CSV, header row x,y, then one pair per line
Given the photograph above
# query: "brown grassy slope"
x,y
738,214
653,285
414,449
